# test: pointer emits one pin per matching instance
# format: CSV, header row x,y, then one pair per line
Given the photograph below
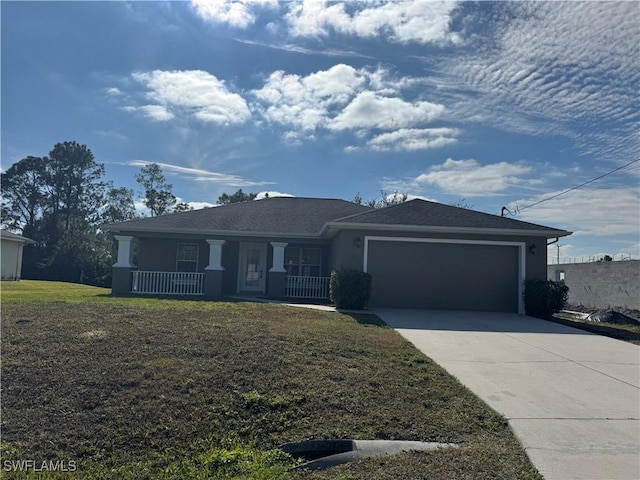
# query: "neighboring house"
x,y
11,247
420,254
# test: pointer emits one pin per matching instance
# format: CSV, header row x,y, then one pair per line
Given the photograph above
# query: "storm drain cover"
x,y
321,454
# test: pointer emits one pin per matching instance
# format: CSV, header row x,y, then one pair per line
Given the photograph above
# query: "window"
x,y
187,257
303,262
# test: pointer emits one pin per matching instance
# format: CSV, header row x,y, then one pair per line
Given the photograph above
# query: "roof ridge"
x,y
460,210
374,209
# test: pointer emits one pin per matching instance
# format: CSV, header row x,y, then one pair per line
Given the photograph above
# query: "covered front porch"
x,y
254,268
182,283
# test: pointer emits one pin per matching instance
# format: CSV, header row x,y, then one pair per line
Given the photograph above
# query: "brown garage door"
x,y
444,275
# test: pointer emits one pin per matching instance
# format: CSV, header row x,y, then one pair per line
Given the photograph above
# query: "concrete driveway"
x,y
571,397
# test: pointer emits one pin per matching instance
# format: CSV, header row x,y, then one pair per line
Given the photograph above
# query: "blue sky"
x,y
500,104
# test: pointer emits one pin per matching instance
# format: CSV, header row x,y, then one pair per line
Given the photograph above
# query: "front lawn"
x,y
145,388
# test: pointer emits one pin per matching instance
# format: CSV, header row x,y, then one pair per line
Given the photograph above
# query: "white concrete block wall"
x,y
601,284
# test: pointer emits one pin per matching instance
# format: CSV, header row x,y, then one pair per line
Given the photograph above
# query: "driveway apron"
x,y
571,397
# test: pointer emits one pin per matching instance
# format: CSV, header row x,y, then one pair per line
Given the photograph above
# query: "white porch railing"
x,y
307,287
167,283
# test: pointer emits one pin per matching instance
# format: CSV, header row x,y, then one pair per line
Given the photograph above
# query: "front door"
x,y
252,268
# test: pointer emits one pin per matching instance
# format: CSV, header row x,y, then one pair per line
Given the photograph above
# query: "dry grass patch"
x,y
133,388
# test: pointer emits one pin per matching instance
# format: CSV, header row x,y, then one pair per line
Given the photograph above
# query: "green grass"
x,y
33,290
145,388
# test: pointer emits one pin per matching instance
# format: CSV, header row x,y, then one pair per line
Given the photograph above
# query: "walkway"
x,y
571,397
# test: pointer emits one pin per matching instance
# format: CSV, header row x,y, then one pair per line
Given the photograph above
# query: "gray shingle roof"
x,y
279,215
423,213
309,217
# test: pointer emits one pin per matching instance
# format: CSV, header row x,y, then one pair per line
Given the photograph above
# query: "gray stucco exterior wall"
x,y
346,254
158,254
455,271
121,281
601,284
489,278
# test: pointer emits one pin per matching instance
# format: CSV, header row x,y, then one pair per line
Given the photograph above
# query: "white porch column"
x,y
278,257
124,251
215,254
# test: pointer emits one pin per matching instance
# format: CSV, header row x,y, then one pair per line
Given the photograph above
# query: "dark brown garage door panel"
x,y
444,275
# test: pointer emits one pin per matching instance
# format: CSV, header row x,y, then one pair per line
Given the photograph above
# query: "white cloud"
x,y
111,134
398,195
340,98
153,112
304,102
468,178
194,92
112,91
199,175
421,21
414,139
271,194
237,13
370,110
141,208
563,68
200,205
588,211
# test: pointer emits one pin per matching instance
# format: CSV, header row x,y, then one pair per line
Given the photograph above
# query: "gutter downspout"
x,y
551,243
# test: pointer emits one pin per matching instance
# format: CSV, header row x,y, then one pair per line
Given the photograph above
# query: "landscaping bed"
x,y
145,388
623,324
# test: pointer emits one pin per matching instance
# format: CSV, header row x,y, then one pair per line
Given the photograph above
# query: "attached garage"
x,y
445,273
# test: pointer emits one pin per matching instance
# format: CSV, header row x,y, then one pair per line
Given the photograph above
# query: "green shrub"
x,y
543,298
350,289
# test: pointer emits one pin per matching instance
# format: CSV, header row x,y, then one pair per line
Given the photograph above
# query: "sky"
x,y
493,104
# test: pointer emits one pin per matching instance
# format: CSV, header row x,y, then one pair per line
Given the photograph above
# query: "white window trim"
x,y
300,265
522,254
196,261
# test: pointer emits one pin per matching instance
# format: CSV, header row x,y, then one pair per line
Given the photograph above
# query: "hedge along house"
x,y
420,254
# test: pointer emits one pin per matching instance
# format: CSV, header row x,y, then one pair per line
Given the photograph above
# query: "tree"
x,y
462,203
357,199
395,198
119,205
237,197
386,199
23,195
72,247
182,207
158,196
74,183
59,201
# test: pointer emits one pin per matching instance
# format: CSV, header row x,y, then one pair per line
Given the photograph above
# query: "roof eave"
x,y
18,240
332,227
212,233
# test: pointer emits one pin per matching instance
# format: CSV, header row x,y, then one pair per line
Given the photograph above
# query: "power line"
x,y
519,209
